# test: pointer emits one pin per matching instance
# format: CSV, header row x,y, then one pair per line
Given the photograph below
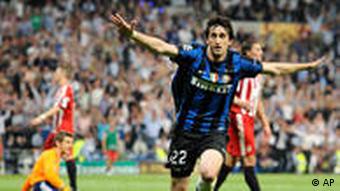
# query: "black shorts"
x,y
186,148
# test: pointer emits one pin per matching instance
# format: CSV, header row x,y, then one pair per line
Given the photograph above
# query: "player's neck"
x,y
57,151
215,58
63,82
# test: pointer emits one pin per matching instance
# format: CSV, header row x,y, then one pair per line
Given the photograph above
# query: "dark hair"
x,y
220,21
60,136
247,45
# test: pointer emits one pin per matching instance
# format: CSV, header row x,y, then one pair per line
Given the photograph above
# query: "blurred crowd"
x,y
120,85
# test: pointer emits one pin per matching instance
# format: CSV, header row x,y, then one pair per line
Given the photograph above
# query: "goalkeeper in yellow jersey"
x,y
45,173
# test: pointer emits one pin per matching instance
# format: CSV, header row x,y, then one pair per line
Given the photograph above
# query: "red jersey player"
x,y
247,105
62,112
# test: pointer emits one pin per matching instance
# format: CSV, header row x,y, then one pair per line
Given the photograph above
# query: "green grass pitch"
x,y
161,182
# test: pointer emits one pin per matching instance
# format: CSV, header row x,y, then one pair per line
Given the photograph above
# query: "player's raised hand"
x,y
323,60
123,26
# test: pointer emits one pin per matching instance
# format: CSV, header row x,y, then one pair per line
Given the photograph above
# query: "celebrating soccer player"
x,y
62,111
203,88
45,173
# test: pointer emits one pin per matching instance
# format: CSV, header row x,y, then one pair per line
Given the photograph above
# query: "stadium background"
x,y
118,83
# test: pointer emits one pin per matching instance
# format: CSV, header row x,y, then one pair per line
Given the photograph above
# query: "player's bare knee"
x,y
249,161
231,161
208,175
178,185
228,164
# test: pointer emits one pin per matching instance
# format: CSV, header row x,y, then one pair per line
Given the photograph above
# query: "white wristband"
x,y
133,34
42,117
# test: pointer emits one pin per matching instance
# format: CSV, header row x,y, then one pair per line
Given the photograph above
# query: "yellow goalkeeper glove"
x,y
66,188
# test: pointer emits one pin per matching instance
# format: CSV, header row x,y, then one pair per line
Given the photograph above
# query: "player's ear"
x,y
230,42
205,37
206,40
57,143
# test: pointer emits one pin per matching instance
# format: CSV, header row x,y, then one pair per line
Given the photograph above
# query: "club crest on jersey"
x,y
214,77
226,78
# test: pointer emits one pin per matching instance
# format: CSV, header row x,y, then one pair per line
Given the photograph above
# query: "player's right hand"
x,y
123,26
245,105
66,188
35,122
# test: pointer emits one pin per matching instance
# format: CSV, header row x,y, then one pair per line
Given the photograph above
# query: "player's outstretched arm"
x,y
42,117
279,68
154,44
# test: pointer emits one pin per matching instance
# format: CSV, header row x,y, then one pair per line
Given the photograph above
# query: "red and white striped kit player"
x,y
64,119
241,126
64,99
248,90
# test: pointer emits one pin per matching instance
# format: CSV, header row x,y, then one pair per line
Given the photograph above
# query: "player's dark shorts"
x,y
43,186
186,148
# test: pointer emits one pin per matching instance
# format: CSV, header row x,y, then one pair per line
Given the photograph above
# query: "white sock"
x,y
2,167
203,185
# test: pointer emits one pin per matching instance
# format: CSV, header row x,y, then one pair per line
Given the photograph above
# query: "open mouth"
x,y
218,48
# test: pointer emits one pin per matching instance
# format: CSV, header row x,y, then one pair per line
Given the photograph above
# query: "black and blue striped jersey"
x,y
203,91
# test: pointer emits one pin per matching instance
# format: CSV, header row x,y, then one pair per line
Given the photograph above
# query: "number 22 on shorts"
x,y
178,157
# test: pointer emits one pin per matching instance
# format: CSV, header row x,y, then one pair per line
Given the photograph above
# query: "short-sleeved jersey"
x,y
111,139
45,169
64,99
203,91
249,90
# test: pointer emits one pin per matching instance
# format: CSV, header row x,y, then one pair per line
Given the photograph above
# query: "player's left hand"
x,y
267,133
323,60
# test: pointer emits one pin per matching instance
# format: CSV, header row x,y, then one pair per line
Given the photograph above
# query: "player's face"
x,y
65,146
218,41
57,75
256,52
